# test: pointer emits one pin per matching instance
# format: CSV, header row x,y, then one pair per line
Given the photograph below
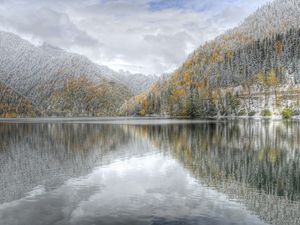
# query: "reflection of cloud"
x,y
149,36
132,191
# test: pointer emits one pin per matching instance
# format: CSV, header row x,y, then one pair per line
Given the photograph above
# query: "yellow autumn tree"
x,y
273,82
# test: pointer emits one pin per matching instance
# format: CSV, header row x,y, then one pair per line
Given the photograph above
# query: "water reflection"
x,y
256,163
147,173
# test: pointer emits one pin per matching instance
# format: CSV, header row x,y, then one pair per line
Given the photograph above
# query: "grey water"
x,y
88,172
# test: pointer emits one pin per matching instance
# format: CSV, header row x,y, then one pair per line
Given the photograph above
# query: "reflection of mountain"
x,y
255,163
47,154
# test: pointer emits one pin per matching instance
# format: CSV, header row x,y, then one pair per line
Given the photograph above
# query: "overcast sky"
x,y
148,36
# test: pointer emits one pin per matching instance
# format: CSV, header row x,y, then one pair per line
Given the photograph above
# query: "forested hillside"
x,y
13,104
83,97
252,69
55,82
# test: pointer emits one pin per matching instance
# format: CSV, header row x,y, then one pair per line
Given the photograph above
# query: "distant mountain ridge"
x,y
138,83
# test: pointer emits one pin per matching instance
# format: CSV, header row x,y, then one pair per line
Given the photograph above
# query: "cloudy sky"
x,y
148,36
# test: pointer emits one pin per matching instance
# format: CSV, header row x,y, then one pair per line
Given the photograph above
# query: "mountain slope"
x,y
275,17
81,96
12,104
38,73
137,83
250,69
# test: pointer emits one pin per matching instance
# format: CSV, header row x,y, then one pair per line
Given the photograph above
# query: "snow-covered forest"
x,y
250,70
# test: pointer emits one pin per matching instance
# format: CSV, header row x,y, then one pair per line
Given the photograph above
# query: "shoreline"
x,y
138,118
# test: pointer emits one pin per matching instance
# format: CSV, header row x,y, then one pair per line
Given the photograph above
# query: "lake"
x,y
91,172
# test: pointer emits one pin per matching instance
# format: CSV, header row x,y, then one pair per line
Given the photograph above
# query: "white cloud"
x,y
123,34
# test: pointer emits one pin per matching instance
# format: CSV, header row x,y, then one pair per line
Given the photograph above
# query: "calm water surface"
x,y
149,172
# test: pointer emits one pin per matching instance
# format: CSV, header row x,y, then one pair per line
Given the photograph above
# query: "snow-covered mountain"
x,y
48,76
138,83
249,70
58,81
275,17
25,67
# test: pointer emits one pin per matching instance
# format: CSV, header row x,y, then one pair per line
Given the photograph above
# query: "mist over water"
x,y
150,172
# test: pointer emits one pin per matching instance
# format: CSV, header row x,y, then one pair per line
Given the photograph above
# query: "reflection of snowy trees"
x,y
257,163
48,154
